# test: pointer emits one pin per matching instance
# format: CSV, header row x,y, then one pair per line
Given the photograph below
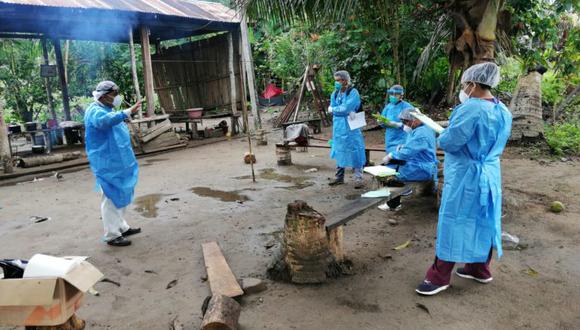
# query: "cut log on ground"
x,y
221,279
74,323
166,139
222,314
50,159
306,255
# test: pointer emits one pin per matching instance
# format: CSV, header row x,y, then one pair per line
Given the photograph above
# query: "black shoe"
x,y
336,182
119,241
131,231
428,289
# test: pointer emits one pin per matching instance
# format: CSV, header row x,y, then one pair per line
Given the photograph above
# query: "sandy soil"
x,y
192,196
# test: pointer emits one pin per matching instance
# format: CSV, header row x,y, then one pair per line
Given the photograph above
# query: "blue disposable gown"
x,y
419,154
394,136
110,154
470,213
348,146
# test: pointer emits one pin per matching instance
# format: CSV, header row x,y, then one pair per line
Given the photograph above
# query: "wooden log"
x,y
221,278
222,314
50,159
74,323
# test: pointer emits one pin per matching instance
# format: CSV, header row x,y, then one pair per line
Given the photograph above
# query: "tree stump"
x,y
74,323
283,154
222,313
308,253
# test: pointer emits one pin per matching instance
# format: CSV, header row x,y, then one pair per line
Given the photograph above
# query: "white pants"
x,y
113,220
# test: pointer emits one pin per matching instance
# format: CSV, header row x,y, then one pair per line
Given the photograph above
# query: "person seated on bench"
x,y
395,134
415,160
348,146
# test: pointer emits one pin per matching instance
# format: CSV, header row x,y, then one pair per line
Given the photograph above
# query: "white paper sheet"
x,y
41,265
380,170
383,192
428,121
358,121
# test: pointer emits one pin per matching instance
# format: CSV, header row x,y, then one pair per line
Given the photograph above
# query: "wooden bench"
x,y
357,207
367,149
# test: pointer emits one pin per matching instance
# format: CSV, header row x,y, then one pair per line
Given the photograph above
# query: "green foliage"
x,y
564,138
510,72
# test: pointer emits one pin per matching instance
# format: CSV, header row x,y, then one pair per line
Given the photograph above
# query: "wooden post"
x,y
134,69
5,158
335,238
245,119
249,65
233,91
304,80
243,91
147,71
47,81
62,79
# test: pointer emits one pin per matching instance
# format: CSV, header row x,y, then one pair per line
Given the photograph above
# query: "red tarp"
x,y
271,91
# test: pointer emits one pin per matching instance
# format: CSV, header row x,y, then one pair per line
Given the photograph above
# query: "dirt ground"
x,y
191,196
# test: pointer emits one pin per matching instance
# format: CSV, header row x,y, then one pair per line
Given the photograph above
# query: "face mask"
x,y
337,85
463,96
117,101
393,99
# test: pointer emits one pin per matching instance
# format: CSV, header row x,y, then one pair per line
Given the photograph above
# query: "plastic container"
x,y
194,113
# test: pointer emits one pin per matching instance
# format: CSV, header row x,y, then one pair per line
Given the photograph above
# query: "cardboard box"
x,y
46,300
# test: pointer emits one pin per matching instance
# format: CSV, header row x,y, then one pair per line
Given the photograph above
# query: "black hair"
x,y
483,86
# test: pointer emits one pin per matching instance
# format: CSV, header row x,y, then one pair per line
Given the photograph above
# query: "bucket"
x,y
194,113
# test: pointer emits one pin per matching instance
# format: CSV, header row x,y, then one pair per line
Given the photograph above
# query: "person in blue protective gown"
x,y
111,157
416,159
469,226
395,134
348,146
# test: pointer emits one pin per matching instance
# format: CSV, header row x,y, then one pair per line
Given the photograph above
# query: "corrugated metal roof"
x,y
202,10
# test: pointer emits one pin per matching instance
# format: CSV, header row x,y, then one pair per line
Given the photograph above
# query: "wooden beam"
x,y
134,69
156,130
5,154
62,79
47,81
249,65
233,90
221,279
147,71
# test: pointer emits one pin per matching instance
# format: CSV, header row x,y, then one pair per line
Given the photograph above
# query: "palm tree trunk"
x,y
526,108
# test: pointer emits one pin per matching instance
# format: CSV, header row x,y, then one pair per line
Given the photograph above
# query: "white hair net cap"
x,y
484,73
104,87
406,114
342,74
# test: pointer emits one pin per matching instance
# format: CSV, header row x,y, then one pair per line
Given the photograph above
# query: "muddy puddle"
x,y
147,205
299,182
224,196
